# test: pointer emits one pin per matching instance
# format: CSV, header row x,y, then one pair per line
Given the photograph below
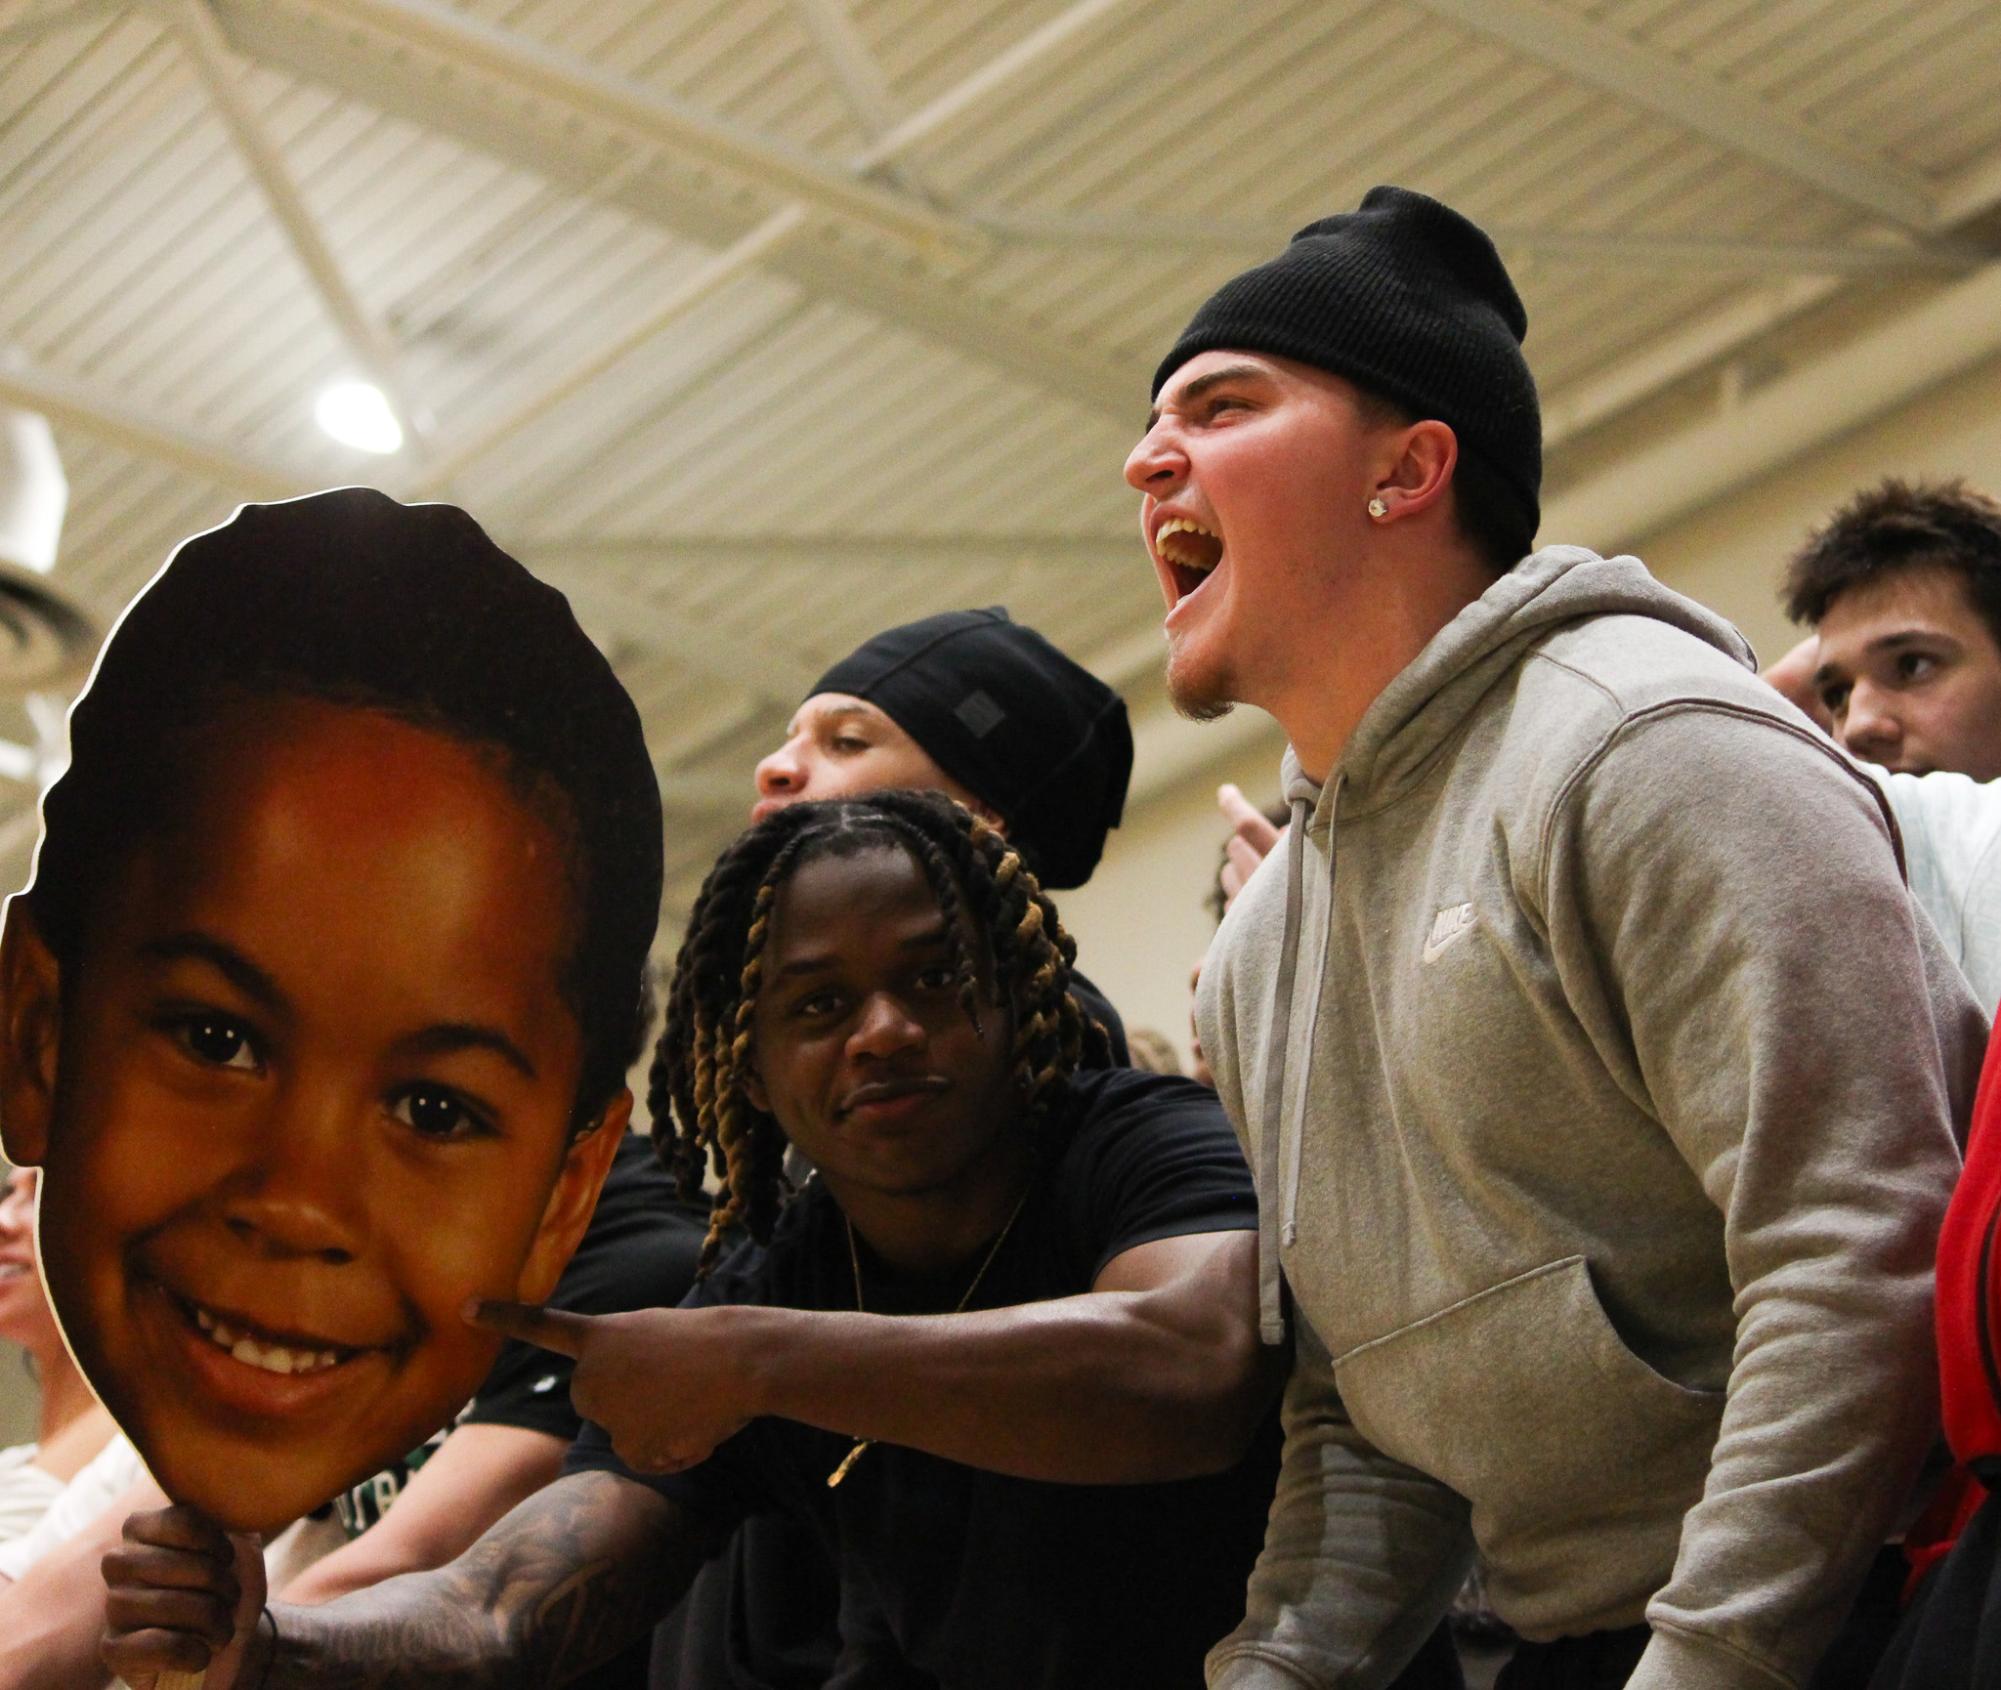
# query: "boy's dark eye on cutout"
x,y
437,1112
217,1040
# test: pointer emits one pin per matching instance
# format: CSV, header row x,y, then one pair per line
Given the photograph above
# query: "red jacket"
x,y
1969,1283
1969,1324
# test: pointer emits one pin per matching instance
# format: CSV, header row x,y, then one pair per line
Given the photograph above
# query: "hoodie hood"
x,y
1434,694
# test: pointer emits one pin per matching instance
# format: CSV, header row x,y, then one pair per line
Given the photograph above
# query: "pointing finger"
x,y
1246,819
548,1329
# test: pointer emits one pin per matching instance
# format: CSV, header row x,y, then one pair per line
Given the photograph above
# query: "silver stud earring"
x,y
1378,509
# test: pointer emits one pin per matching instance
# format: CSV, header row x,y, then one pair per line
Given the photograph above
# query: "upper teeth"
x,y
1189,557
273,1358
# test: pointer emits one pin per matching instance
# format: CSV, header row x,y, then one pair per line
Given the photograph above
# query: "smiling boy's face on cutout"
x,y
305,1087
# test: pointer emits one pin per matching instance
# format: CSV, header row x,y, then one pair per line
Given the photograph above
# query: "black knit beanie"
x,y
1408,300
1028,732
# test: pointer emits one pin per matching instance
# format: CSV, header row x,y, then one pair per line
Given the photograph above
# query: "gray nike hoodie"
x,y
1601,1082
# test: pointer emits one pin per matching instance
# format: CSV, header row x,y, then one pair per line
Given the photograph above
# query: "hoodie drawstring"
x,y
1289,1191
1273,1195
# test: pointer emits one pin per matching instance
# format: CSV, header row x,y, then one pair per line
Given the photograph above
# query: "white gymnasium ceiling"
x,y
760,324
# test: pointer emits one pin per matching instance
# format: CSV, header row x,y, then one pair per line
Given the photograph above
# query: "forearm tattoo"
x,y
562,1583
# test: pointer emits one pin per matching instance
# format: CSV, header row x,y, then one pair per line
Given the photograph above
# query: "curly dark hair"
x,y
1899,525
351,597
697,1079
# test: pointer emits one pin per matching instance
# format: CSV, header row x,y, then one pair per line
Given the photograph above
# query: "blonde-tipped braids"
x,y
704,1054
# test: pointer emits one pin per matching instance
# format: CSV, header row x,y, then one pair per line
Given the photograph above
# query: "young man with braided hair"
x,y
980,707
704,1077
1604,1184
1000,1352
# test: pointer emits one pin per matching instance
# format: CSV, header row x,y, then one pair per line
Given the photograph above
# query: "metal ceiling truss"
x,y
368,342
349,45
774,681
1586,249
854,70
1602,58
650,115
924,300
870,551
1748,436
869,238
46,20
74,403
1966,204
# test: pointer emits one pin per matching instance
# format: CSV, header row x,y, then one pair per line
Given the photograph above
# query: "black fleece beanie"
x,y
1028,732
1407,299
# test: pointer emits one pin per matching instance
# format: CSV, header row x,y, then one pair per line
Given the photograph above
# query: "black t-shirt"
x,y
970,1580
1098,1008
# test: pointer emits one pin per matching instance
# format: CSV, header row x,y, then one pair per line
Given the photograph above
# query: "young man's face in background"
x,y
839,746
25,1318
1910,674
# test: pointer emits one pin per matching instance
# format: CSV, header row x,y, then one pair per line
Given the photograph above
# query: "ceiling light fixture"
x,y
357,414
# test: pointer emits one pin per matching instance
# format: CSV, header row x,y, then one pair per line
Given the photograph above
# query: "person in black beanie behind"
x,y
1577,1168
972,704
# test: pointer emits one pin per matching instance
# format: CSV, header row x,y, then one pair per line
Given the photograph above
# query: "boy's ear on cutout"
x,y
30,1026
572,1201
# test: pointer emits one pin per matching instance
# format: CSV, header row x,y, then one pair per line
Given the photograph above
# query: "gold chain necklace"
x,y
855,1262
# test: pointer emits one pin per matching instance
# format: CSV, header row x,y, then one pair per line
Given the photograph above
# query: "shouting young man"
x,y
1607,1219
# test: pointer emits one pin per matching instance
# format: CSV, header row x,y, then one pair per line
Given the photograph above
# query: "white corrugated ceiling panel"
x,y
851,429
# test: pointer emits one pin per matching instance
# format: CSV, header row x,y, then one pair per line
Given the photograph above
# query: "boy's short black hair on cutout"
x,y
350,597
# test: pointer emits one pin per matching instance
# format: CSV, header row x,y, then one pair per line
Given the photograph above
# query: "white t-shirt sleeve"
x,y
27,1492
1952,850
109,1475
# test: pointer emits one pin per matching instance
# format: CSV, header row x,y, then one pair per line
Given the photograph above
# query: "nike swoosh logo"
x,y
1453,922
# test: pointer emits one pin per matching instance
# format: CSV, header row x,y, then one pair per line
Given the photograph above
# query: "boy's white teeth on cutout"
x,y
1188,545
273,1358
13,1270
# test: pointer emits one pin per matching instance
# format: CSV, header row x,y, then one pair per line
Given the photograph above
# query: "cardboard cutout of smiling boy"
x,y
317,1011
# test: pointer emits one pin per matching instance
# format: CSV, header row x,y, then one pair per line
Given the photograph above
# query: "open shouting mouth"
x,y
1188,553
